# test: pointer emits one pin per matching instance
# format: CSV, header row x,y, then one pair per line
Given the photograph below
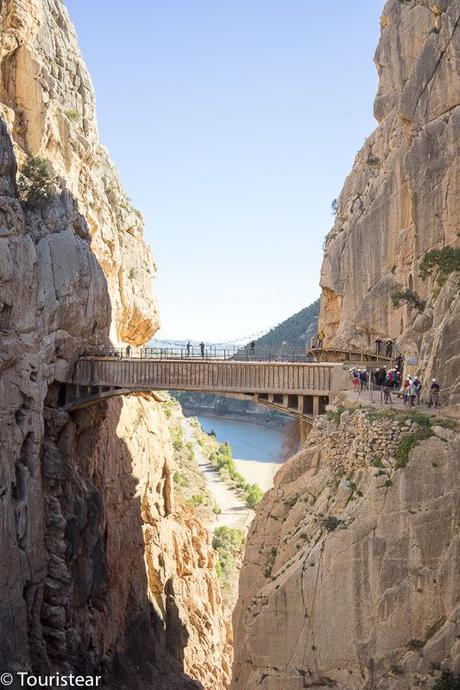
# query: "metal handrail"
x,y
209,353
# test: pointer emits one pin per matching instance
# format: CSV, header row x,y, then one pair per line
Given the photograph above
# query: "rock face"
x,y
351,569
100,572
350,577
401,199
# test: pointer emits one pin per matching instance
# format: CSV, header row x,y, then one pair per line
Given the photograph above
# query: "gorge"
x,y
350,577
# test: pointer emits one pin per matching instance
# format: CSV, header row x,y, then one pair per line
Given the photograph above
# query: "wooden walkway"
x,y
300,388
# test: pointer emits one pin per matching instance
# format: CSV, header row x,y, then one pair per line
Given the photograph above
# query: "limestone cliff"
x,y
401,199
99,571
350,578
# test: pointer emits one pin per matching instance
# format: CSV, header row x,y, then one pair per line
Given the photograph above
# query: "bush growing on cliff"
x,y
253,495
447,681
35,183
400,297
444,261
228,543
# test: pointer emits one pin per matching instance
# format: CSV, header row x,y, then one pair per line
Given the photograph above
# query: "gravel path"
x,y
234,513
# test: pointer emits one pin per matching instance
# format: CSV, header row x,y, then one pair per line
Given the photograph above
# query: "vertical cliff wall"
x,y
401,199
350,576
100,572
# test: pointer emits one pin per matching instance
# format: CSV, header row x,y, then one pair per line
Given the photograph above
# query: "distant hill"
x,y
296,331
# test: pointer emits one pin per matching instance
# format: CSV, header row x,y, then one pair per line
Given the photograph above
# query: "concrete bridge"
x,y
301,389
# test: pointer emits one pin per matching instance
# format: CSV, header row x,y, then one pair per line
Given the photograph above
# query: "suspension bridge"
x,y
288,383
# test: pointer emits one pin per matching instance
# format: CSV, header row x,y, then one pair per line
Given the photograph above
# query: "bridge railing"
x,y
209,353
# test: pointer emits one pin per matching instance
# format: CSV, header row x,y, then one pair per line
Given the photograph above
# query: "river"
x,y
258,450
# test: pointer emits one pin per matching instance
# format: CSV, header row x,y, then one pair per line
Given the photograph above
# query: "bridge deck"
x,y
303,378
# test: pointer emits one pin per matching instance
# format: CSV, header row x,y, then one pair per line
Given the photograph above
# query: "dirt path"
x,y
234,513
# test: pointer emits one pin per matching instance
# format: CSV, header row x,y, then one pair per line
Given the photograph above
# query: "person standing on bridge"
x,y
389,349
202,349
189,347
378,346
128,351
321,336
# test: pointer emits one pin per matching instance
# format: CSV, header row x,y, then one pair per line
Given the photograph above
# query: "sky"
x,y
233,124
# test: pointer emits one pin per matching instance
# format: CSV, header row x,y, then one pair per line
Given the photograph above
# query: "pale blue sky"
x,y
233,124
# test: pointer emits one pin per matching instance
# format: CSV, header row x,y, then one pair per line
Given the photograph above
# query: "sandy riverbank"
x,y
258,472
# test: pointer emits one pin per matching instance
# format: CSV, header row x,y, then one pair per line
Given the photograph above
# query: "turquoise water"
x,y
248,441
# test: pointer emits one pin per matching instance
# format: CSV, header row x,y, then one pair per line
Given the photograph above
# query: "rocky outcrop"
x,y
100,571
350,573
401,199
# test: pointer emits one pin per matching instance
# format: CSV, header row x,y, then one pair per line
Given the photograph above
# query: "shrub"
x,y
72,114
447,681
415,644
228,543
253,496
400,297
335,415
404,448
445,261
35,183
330,523
197,500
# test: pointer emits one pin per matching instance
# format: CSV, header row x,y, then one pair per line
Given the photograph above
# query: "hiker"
x,y
202,349
128,351
399,362
355,379
434,393
389,349
378,346
418,388
406,386
411,393
252,348
189,348
321,337
363,378
387,388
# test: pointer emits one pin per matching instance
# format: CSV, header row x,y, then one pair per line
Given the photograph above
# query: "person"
x,y
363,378
389,349
406,386
252,347
434,393
387,388
411,393
418,388
321,337
378,345
399,362
189,347
355,378
128,351
202,349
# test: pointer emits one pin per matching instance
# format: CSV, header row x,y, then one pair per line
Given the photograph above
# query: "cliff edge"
x,y
100,573
401,200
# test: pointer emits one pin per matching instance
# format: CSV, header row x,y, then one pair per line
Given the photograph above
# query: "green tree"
x,y
35,182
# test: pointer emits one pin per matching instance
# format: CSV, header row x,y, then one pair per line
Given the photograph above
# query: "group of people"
x,y
393,381
189,348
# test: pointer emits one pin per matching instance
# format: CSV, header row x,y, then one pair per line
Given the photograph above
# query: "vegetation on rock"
x,y
35,182
228,543
443,261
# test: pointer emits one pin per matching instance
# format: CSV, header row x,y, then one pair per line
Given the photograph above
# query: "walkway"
x,y
234,513
298,388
